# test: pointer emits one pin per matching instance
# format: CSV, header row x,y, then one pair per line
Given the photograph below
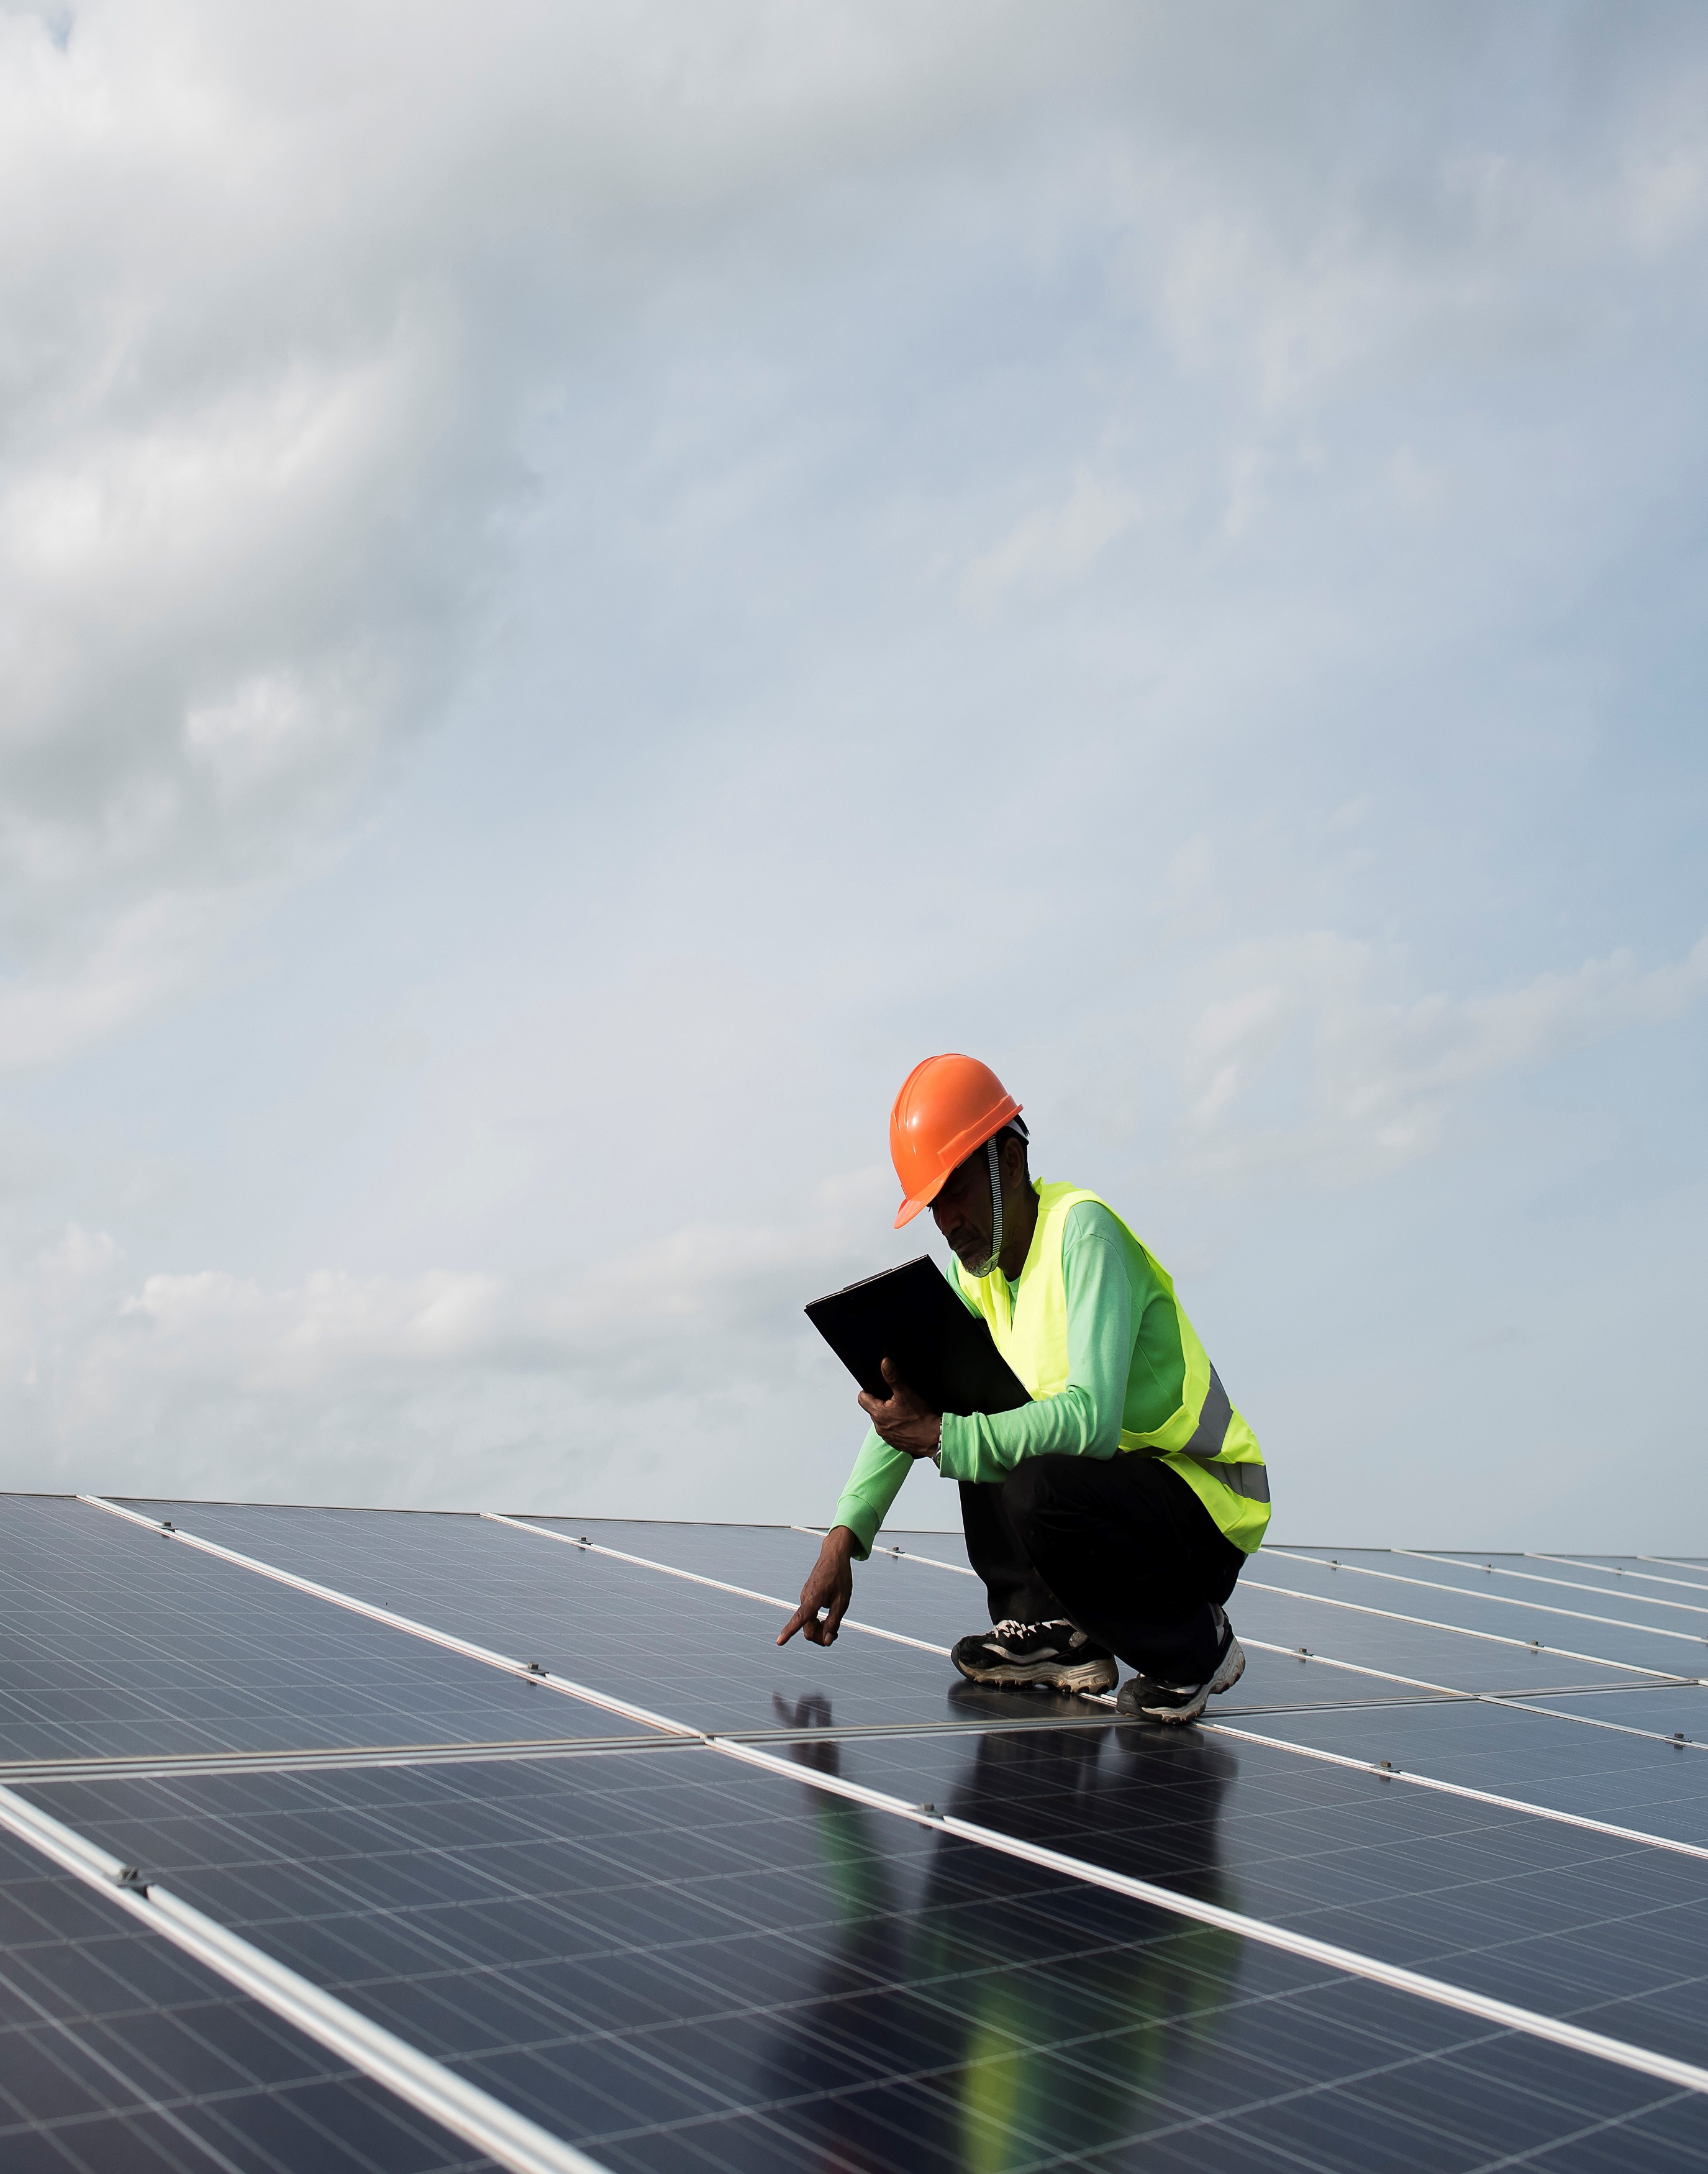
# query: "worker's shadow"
x,y
947,1959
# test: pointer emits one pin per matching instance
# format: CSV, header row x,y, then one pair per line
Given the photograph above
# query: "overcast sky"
x,y
580,586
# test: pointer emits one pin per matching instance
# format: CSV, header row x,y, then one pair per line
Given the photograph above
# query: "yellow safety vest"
x,y
1204,1439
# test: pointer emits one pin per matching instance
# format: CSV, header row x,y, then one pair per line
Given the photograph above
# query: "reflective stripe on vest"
x,y
1204,1439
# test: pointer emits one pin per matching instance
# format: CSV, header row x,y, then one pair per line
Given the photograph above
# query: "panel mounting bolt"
x,y
131,1878
930,1810
167,1526
535,1670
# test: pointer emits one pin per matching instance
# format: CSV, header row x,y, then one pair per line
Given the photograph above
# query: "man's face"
x,y
962,1210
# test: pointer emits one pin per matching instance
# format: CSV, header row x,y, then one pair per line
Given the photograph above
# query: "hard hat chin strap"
x,y
996,1212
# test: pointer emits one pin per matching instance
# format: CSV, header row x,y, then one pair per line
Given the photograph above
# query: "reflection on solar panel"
x,y
385,1841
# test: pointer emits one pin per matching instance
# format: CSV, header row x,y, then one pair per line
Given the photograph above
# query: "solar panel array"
x,y
400,1842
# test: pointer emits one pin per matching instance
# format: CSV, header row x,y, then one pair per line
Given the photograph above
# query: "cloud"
x,y
443,1387
284,302
1053,545
287,300
1370,1083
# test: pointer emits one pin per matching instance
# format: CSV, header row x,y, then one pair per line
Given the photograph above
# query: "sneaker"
x,y
1158,1701
1054,1654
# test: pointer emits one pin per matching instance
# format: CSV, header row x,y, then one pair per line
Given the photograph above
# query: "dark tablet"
x,y
911,1317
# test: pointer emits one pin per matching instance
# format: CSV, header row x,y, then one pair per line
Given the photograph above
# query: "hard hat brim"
x,y
909,1208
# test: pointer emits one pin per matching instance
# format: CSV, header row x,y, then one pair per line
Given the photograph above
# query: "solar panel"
x,y
116,2050
119,1644
639,1946
324,1879
1511,1751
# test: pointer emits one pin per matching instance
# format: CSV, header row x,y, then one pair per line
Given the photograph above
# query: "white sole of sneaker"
x,y
1088,1676
1232,1668
1177,1713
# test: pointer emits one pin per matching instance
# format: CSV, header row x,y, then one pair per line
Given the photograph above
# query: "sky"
x,y
582,586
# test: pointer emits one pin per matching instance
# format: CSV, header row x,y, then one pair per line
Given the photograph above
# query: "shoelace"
x,y
1008,1628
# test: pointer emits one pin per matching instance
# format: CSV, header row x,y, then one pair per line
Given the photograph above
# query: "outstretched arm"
x,y
907,1427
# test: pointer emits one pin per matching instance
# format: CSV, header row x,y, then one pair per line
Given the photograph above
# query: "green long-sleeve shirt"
x,y
1125,1369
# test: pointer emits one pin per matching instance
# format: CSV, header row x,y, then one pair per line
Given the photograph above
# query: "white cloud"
x,y
441,1387
1053,545
284,297
1303,1069
282,300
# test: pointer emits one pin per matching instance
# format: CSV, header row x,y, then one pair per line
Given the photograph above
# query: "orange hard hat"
x,y
948,1106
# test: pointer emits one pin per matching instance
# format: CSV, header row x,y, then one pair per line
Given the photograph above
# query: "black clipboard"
x,y
911,1317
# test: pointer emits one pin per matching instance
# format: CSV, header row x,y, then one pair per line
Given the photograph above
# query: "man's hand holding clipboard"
x,y
906,1421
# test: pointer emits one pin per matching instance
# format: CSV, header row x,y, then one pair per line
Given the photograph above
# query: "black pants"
x,y
1121,1546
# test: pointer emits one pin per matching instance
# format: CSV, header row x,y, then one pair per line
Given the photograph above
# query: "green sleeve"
x,y
1085,1419
872,1485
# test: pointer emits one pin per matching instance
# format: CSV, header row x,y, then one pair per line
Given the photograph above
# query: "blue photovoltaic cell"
x,y
914,1596
703,1658
1375,1638
922,1600
1670,1709
1664,1573
921,1603
117,2052
1521,1580
679,1962
1613,1934
1598,1773
1515,1611
121,1643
